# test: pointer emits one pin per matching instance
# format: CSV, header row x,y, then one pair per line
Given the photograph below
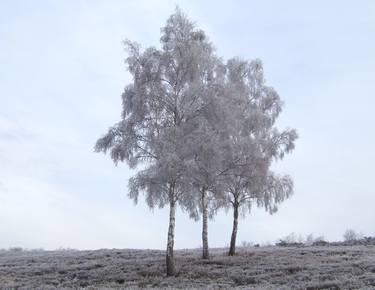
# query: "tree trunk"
x,y
169,258
205,224
232,249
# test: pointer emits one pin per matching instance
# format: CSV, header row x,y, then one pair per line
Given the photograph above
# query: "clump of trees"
x,y
204,130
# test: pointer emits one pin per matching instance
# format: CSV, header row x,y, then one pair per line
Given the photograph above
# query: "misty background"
x,y
62,73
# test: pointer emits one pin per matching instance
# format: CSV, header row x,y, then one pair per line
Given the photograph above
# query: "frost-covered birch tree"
x,y
162,108
253,142
205,170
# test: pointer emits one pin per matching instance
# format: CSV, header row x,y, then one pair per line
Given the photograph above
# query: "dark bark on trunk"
x,y
169,257
232,249
205,225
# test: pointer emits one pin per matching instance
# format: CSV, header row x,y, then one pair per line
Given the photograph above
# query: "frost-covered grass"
x,y
331,267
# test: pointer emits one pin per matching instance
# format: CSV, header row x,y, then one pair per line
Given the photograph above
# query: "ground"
x,y
329,267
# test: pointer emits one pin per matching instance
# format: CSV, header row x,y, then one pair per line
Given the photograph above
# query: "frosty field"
x,y
341,267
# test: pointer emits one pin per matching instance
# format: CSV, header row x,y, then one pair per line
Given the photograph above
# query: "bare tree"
x,y
161,111
351,235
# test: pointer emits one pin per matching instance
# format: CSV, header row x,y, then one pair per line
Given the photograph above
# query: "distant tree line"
x,y
350,238
203,129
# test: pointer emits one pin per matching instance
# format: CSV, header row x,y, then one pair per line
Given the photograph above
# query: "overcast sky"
x,y
61,76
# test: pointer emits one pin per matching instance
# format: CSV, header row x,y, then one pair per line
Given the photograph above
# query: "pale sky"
x,y
62,73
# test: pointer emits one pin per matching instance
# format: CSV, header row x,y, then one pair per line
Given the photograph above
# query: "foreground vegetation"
x,y
328,267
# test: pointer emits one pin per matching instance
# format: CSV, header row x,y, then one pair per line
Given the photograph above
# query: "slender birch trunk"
x,y
169,257
232,249
205,224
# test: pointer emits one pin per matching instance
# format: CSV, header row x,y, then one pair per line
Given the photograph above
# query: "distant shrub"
x,y
320,241
309,240
351,236
283,243
266,244
289,241
16,249
369,240
246,244
62,249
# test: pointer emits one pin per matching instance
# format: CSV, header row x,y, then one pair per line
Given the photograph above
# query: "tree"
x,y
209,165
205,172
162,108
351,235
253,142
